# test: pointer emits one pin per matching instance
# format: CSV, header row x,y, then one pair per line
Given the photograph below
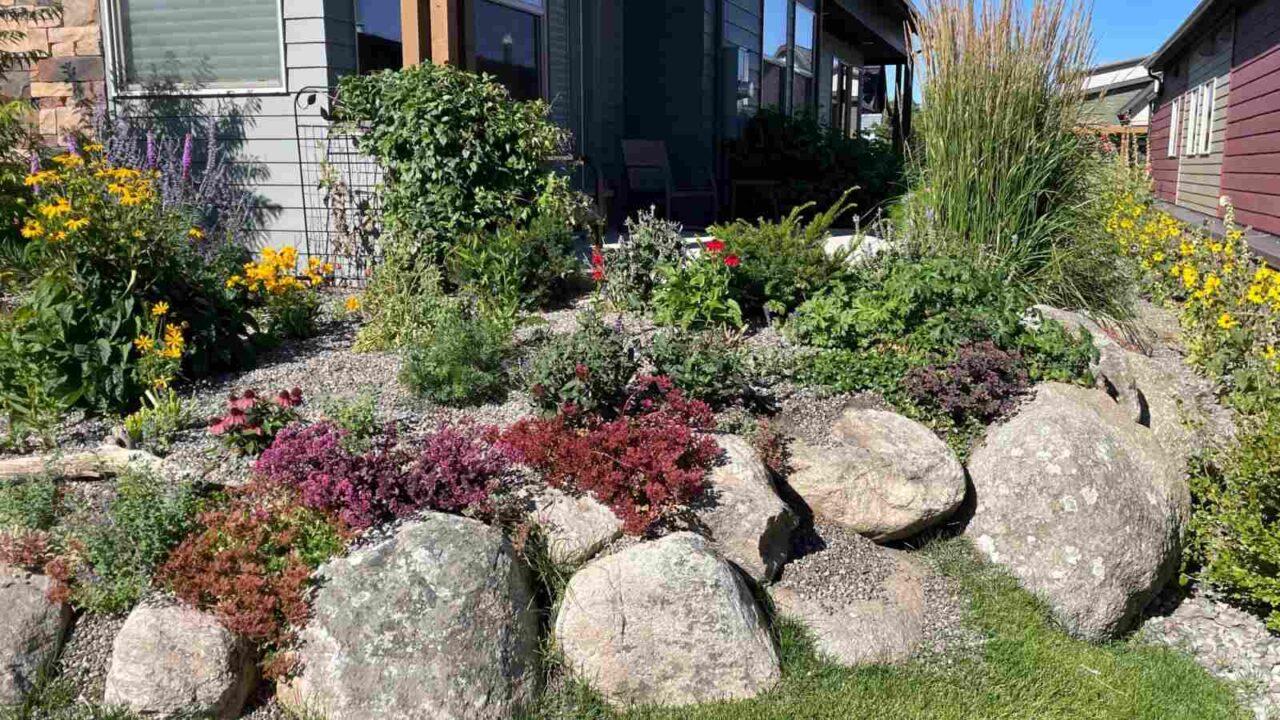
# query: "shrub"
x,y
646,465
632,269
29,550
157,424
461,362
851,371
101,254
357,418
783,262
250,562
459,154
704,365
15,197
1235,527
1052,353
400,305
30,505
251,422
813,163
697,291
1003,179
111,561
289,298
457,470
516,267
981,384
588,369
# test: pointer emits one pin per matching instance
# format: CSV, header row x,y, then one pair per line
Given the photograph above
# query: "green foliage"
x,y
705,365
400,303
1053,353
155,426
813,163
15,196
1235,526
588,368
852,371
459,154
357,417
29,505
633,268
32,17
461,362
929,303
784,262
1003,178
697,292
114,557
516,267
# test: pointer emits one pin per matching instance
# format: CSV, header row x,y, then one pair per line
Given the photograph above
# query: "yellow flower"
x,y
1190,278
352,304
1255,295
1269,353
94,148
1158,257
1226,322
173,335
58,236
161,383
76,223
233,281
160,308
1215,248
51,210
33,229
68,160
1211,284
144,343
195,233
43,177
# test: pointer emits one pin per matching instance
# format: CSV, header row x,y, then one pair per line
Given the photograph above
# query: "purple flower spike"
x,y
72,147
35,162
187,147
151,150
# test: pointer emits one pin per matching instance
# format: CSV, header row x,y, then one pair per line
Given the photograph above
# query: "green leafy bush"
x,y
399,305
1053,353
516,267
29,505
155,426
783,263
356,417
705,365
588,368
633,268
461,361
697,292
1235,526
851,371
1003,178
459,154
813,163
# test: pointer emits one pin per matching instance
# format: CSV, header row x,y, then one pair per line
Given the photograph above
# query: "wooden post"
x,y
415,31
431,31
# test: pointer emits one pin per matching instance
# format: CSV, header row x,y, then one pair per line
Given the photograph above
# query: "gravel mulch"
x,y
86,655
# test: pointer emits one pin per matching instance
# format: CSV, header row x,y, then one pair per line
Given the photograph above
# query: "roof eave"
x,y
1166,51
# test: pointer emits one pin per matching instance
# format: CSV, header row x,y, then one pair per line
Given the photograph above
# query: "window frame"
x,y
784,88
116,64
524,6
1175,117
810,101
1192,123
1204,127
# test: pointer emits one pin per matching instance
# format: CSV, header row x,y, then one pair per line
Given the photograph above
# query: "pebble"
x,y
86,656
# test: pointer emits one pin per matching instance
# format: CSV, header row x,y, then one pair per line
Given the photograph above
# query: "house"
x,y
686,72
1215,128
1117,104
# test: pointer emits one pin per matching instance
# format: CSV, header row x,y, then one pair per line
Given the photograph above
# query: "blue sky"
x,y
1129,28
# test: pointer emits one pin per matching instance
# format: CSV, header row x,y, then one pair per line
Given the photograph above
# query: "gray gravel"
x,y
1230,643
834,567
86,656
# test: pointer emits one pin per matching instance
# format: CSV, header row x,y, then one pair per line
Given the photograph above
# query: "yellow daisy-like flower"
x,y
1255,295
195,233
33,229
94,148
1269,353
1190,277
59,206
58,236
160,308
352,304
144,343
43,177
233,281
69,160
161,383
173,335
76,223
1211,284
1226,322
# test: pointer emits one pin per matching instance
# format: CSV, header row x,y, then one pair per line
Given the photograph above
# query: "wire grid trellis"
x,y
341,205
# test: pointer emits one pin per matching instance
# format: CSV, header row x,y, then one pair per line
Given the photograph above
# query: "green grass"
x,y
1028,670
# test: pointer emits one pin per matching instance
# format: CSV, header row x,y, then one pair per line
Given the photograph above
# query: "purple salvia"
x,y
72,147
151,150
187,148
35,162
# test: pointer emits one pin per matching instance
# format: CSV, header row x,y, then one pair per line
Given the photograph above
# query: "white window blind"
x,y
1204,127
227,44
1174,119
1193,122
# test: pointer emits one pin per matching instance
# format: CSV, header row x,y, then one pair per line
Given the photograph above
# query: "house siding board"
x,y
1199,177
559,57
1251,166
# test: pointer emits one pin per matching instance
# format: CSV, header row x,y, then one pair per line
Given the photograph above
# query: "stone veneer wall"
x,y
74,69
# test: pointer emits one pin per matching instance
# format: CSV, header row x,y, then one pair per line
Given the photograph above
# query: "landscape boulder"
x,y
668,622
1083,506
878,474
746,520
173,661
30,633
575,528
436,622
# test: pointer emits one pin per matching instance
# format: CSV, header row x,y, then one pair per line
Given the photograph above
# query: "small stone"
x,y
576,528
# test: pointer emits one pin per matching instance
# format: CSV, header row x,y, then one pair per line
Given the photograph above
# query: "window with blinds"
x,y
229,44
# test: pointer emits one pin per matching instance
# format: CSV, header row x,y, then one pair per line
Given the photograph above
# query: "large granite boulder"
x,y
575,528
668,622
863,604
173,661
879,474
747,521
1083,506
31,632
437,622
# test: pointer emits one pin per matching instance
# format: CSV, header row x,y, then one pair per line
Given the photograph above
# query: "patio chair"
x,y
648,170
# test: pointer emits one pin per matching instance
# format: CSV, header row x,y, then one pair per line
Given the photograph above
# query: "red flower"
x,y
715,246
597,259
732,261
597,275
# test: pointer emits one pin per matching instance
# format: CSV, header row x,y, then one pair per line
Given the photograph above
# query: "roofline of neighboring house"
x,y
1131,62
1114,87
1140,101
1175,41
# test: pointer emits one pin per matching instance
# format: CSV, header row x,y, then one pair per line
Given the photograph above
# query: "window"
x,y
1174,117
227,45
804,47
777,53
378,36
844,97
1204,129
508,44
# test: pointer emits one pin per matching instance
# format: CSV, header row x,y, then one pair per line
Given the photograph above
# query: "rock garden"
x,y
527,470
